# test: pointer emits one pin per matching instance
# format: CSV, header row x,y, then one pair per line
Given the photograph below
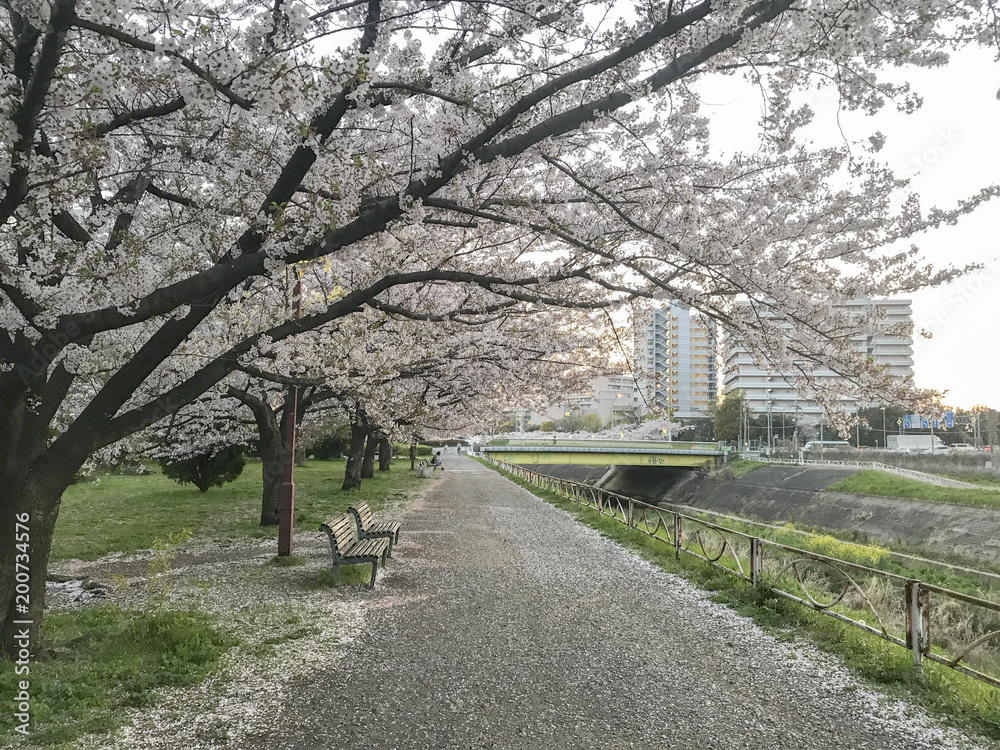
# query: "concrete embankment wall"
x,y
781,494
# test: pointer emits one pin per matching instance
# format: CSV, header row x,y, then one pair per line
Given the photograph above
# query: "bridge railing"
x,y
837,579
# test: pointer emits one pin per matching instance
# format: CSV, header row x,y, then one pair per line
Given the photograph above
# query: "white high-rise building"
x,y
679,354
774,392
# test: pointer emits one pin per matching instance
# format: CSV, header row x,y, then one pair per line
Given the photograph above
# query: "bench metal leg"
x,y
371,585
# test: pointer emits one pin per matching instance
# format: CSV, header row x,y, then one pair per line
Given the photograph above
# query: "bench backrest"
x,y
343,533
364,514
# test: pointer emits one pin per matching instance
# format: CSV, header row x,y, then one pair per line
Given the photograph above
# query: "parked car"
x,y
963,447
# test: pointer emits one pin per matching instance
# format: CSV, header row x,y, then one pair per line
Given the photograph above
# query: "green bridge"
x,y
524,451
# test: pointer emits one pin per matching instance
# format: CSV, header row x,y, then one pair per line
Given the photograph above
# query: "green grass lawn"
x,y
105,659
873,482
128,513
102,660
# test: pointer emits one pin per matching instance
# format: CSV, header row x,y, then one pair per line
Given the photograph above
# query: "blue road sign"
x,y
908,421
949,419
924,423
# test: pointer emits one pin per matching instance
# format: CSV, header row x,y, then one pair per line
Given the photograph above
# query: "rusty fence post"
x,y
630,524
677,535
755,560
918,620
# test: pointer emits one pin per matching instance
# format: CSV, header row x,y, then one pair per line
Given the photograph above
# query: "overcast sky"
x,y
950,149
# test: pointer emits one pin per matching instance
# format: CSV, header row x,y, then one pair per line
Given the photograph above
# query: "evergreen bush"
x,y
207,470
333,445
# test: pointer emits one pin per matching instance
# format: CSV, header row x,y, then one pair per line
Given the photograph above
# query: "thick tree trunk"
x,y
29,506
300,453
384,454
271,435
273,470
368,464
355,456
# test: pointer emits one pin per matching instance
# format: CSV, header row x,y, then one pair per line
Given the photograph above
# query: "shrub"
x,y
403,450
869,555
207,470
331,446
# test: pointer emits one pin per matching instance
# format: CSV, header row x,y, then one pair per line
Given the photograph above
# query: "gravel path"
x,y
503,623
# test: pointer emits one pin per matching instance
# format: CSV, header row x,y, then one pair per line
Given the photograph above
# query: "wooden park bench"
x,y
348,549
369,528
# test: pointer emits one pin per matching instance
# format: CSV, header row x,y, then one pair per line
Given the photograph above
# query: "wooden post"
x,y
755,561
917,620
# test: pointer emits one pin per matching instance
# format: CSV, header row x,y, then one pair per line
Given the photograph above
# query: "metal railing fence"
x,y
920,476
934,623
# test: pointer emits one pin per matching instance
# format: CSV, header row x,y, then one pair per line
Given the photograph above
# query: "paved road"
x,y
502,623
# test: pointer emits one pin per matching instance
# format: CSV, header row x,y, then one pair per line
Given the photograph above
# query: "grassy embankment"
x,y
986,480
947,693
737,467
875,482
872,482
104,659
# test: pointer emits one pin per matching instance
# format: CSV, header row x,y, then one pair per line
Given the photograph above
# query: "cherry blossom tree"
x,y
393,372
162,164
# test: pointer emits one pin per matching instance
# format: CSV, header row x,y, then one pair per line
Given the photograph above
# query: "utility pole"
x,y
795,433
770,429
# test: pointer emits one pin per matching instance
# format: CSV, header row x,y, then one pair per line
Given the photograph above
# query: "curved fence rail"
x,y
937,624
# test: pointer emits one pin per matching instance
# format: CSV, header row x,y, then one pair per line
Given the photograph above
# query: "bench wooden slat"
x,y
348,549
367,527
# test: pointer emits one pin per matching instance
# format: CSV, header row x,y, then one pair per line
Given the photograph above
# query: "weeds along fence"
x,y
838,579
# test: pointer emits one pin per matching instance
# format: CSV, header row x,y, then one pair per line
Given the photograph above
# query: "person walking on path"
x,y
503,623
